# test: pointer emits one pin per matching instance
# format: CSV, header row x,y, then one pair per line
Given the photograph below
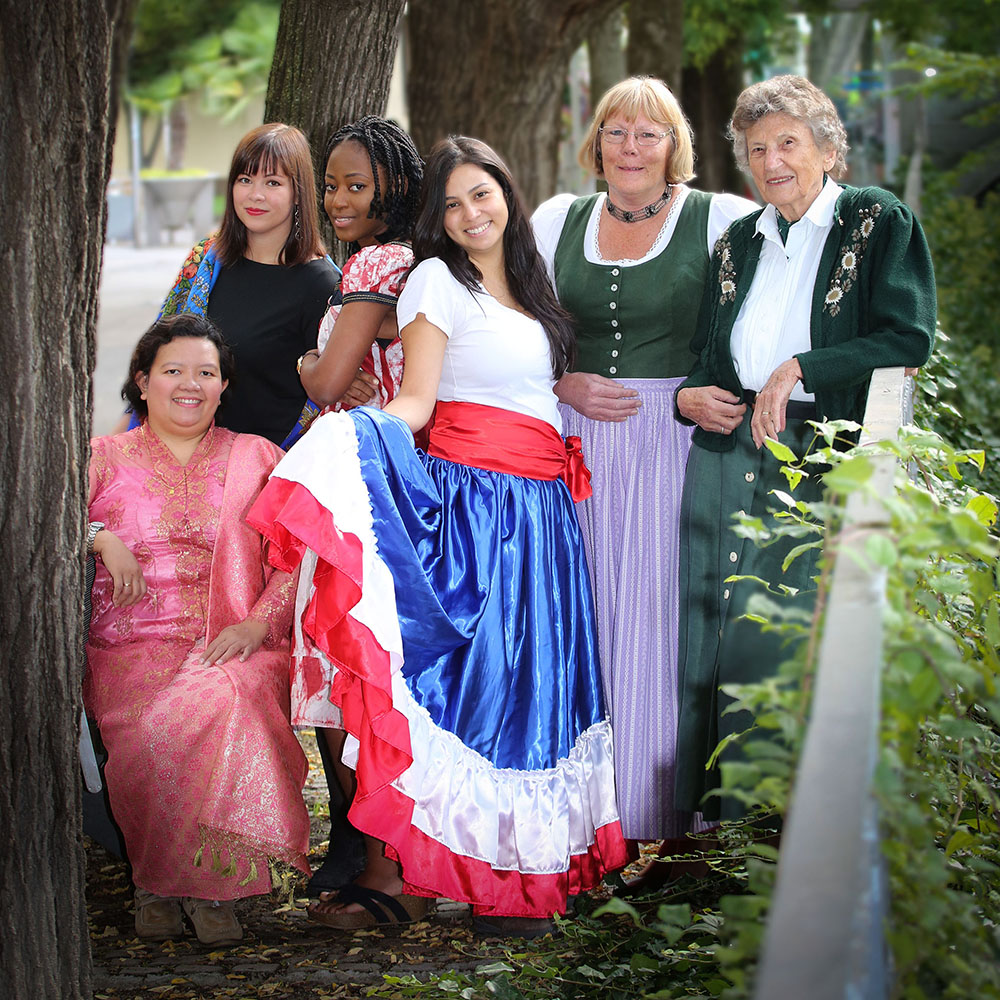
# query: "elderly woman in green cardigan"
x,y
805,298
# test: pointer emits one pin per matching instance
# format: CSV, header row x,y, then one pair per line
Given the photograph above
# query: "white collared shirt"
x,y
773,322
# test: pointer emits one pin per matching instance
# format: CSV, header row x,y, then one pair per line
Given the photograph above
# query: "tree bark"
x,y
656,40
60,62
178,118
332,64
496,70
606,55
709,97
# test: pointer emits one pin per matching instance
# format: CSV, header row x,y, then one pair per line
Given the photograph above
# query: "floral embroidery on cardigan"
x,y
727,273
847,270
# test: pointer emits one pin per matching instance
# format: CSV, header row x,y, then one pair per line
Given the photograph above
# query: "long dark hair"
x,y
527,278
265,148
164,331
390,147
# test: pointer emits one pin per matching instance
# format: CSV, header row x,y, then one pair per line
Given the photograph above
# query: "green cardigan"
x,y
874,305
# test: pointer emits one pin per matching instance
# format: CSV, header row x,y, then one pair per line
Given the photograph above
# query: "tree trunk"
x,y
332,64
656,40
178,118
496,70
606,55
709,97
57,122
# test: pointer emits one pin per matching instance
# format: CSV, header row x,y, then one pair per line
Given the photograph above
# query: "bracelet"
x,y
298,364
95,527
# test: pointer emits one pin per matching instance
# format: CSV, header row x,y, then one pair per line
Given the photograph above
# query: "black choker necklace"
x,y
643,213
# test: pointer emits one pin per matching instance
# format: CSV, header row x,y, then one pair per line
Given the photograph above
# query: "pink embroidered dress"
x,y
204,772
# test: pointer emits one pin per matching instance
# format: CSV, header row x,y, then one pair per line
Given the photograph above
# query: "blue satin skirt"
x,y
493,598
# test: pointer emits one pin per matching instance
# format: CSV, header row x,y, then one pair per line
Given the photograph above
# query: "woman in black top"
x,y
263,279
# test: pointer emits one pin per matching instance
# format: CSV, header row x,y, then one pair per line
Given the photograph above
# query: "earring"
x,y
298,225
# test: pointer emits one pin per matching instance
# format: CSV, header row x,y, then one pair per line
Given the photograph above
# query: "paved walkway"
x,y
133,285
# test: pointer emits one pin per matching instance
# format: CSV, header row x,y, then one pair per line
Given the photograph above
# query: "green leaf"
x,y
925,689
881,550
492,968
984,508
619,907
850,475
780,451
787,499
958,841
794,476
795,552
991,622
676,915
642,963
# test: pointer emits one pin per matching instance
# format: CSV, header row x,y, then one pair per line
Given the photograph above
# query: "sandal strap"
x,y
379,904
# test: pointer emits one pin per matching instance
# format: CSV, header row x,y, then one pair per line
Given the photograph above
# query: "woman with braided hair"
x,y
371,193
373,175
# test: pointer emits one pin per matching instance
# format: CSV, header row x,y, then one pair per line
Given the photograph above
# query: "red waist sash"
x,y
488,437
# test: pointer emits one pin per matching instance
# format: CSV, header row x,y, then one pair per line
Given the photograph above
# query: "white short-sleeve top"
x,y
495,356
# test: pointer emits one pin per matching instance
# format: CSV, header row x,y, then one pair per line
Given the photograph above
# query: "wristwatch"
x,y
95,527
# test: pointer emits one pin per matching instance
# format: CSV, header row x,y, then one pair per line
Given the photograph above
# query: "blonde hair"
x,y
651,98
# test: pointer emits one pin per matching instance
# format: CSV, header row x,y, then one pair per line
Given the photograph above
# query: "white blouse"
x,y
773,322
495,356
550,217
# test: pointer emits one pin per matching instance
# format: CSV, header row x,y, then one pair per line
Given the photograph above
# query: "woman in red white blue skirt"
x,y
444,603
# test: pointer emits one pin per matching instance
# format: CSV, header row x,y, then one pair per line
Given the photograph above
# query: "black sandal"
x,y
380,909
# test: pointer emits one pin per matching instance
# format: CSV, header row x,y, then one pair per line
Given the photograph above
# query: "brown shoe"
x,y
157,918
214,921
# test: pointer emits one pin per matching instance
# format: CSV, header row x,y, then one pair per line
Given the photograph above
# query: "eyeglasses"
x,y
643,138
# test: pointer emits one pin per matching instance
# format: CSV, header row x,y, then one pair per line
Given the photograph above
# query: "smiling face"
x,y
475,212
786,164
348,193
264,202
182,387
636,175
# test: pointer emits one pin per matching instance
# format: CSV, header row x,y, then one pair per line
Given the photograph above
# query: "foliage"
x,y
752,27
973,80
958,401
162,27
937,781
222,52
962,237
958,26
661,948
960,385
961,232
973,76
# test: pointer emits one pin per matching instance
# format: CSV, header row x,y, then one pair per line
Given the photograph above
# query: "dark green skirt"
x,y
717,645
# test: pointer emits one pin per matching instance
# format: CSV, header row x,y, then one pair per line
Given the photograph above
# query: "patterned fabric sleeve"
x,y
374,273
177,296
276,606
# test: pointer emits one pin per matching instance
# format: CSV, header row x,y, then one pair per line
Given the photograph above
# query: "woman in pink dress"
x,y
189,645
